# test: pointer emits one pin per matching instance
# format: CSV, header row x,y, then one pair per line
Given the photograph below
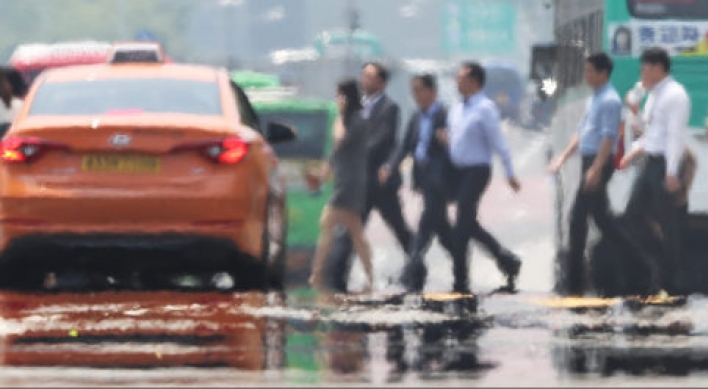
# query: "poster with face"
x,y
621,44
679,38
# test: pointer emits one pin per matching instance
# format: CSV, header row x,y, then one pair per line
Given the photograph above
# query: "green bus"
x,y
314,119
681,27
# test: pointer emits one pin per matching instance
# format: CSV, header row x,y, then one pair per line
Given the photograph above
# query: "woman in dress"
x,y
348,165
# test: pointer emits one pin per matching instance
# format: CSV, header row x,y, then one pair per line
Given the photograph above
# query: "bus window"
x,y
311,133
668,9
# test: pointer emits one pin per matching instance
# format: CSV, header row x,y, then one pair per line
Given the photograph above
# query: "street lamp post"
x,y
353,21
229,6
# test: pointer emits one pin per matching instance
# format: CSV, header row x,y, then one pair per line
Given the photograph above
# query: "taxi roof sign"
x,y
132,52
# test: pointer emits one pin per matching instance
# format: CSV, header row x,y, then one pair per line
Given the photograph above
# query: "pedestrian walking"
x,y
689,164
350,176
382,116
657,187
473,135
597,139
432,176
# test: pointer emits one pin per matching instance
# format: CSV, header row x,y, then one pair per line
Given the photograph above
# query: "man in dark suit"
x,y
383,117
432,172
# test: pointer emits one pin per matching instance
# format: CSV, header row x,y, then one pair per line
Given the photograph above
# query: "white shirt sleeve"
x,y
678,111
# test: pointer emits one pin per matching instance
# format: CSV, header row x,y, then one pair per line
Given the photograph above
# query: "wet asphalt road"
x,y
301,338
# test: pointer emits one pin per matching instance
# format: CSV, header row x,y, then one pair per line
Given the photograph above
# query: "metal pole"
x,y
225,30
228,8
353,25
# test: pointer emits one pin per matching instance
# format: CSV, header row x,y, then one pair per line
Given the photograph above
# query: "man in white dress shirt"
x,y
658,184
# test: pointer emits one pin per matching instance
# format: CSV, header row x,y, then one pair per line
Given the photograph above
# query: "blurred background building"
x,y
432,29
308,43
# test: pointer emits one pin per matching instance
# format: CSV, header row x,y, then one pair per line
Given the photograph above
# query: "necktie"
x,y
368,104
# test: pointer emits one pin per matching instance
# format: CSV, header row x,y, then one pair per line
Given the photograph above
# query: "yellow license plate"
x,y
120,163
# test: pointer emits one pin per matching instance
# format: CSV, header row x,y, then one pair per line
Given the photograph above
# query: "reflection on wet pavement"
x,y
652,338
330,338
304,338
131,330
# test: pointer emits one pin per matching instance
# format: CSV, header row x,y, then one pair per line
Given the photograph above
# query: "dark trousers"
x,y
433,221
650,201
594,203
385,199
472,181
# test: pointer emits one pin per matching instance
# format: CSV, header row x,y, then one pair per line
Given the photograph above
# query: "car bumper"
x,y
239,221
126,252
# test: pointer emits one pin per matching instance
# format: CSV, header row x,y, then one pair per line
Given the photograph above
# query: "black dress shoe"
x,y
414,275
512,268
461,287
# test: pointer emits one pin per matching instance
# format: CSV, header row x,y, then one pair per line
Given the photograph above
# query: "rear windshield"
x,y
117,96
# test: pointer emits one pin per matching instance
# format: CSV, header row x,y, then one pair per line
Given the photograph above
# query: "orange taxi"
x,y
141,166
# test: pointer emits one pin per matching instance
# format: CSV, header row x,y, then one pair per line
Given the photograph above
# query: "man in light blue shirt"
x,y
473,134
597,139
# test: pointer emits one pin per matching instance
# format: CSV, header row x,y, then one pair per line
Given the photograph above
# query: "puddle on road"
x,y
153,338
330,336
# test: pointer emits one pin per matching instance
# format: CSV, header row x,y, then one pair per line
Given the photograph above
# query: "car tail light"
x,y
19,149
227,151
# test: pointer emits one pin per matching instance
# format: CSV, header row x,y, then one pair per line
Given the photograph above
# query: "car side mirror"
x,y
279,132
